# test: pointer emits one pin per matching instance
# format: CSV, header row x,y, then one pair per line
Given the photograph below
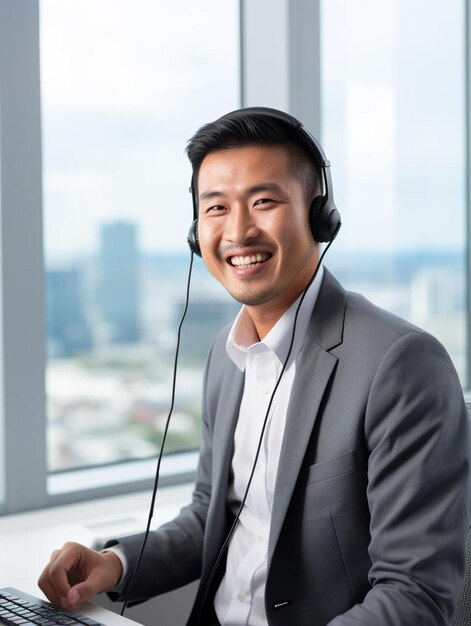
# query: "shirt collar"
x,y
243,337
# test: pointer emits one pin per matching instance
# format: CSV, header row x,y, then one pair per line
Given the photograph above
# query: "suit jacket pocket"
x,y
331,488
330,468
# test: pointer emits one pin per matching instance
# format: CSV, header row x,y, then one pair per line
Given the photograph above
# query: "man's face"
x,y
253,226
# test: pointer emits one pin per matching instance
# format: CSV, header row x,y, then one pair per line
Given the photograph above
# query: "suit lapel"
x,y
312,377
224,428
223,443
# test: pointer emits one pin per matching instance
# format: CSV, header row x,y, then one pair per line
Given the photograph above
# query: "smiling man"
x,y
335,457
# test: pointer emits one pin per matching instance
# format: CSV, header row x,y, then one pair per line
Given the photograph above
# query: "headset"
x,y
324,217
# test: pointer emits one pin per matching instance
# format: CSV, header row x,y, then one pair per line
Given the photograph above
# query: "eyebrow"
x,y
271,187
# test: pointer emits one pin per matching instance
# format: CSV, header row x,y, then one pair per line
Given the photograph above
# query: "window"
x,y
114,89
124,86
394,127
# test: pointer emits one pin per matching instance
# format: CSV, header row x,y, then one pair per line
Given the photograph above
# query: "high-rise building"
x,y
119,282
68,332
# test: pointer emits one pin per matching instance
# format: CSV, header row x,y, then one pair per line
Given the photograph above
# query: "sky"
x,y
125,83
393,121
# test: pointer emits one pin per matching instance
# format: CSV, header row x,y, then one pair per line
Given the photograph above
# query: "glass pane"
x,y
394,129
124,86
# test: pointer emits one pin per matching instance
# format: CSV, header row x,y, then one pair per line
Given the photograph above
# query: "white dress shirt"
x,y
240,597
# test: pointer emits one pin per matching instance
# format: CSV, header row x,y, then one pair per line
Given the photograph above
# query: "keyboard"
x,y
20,609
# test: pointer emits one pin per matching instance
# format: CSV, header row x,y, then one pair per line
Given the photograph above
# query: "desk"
x,y
27,539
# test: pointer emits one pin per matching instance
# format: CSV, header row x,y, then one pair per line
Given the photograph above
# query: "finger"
x,y
59,570
87,589
46,586
44,582
54,556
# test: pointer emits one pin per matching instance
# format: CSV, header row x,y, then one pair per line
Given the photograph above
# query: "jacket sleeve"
x,y
173,553
417,435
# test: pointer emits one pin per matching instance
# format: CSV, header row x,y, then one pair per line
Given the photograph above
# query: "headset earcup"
x,y
324,222
192,238
314,212
332,225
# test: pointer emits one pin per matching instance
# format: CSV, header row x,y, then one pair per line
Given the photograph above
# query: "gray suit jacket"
x,y
372,496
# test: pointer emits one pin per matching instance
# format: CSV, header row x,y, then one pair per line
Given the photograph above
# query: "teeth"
x,y
250,259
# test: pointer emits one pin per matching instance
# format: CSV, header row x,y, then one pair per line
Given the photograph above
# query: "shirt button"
x,y
266,391
260,538
241,596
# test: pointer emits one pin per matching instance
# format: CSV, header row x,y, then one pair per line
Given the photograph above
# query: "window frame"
x,y
22,414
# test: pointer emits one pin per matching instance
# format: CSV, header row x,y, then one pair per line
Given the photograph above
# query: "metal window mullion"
x,y
264,53
22,345
241,54
304,27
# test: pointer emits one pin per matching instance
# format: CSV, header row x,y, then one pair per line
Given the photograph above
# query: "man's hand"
x,y
76,574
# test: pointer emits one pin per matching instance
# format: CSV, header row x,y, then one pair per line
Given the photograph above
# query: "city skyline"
x,y
119,288
108,401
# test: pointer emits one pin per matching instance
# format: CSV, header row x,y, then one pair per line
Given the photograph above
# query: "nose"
x,y
240,225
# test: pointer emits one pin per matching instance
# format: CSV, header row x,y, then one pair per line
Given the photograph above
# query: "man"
x,y
357,504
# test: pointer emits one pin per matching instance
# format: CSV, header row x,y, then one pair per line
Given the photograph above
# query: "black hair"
x,y
239,129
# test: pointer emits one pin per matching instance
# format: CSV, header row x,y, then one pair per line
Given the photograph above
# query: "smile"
x,y
249,260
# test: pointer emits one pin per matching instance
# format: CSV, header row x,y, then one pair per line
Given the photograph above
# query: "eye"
x,y
217,208
263,201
